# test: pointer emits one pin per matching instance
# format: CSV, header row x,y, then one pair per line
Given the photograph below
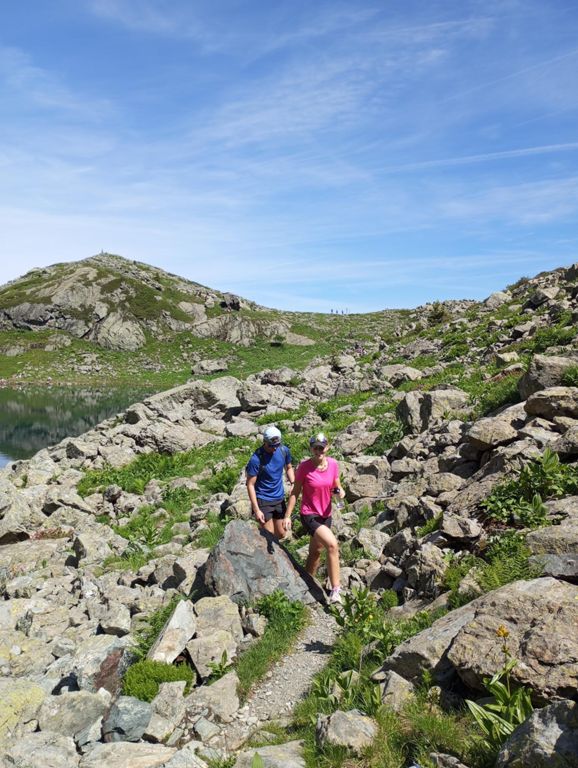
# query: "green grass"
x,y
207,538
143,679
286,619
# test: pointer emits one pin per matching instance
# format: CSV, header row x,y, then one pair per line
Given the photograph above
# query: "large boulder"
x,y
547,739
545,371
249,563
540,617
427,651
555,401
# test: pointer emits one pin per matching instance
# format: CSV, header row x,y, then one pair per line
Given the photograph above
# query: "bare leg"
x,y
269,526
279,528
323,538
314,556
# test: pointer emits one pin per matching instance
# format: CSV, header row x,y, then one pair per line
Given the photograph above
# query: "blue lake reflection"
x,y
34,418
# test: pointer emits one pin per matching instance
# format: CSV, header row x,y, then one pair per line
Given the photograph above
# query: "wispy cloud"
x,y
36,85
448,162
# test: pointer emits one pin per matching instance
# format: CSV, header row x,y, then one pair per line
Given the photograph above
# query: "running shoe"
x,y
335,596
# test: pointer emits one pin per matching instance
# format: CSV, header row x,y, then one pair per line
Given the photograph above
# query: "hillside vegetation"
x,y
132,547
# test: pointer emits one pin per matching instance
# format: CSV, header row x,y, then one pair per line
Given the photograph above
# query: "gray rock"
x,y
126,720
168,708
547,739
566,446
559,539
127,755
288,755
497,299
20,701
540,616
372,541
563,567
218,613
99,662
210,649
43,750
247,564
187,757
176,633
545,371
220,698
460,528
116,331
70,714
555,401
351,730
396,691
428,649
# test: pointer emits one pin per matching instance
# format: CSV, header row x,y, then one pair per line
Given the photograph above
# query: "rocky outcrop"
x,y
116,303
248,564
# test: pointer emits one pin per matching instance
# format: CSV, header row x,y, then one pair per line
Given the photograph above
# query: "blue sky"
x,y
307,155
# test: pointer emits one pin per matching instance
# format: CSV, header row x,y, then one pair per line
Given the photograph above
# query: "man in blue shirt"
x,y
265,482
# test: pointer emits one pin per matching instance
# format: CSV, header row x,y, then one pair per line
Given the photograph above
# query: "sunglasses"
x,y
318,447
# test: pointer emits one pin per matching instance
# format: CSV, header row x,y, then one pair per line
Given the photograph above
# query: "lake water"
x,y
34,418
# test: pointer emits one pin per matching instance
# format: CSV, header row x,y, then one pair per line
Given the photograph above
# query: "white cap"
x,y
272,435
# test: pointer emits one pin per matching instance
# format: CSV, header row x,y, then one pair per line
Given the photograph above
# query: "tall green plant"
x,y
509,706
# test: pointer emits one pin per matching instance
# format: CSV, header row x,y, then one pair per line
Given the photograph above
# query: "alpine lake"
x,y
32,418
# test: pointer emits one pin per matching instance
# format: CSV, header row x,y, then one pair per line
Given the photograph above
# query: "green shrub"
x,y
391,431
570,377
519,502
438,314
509,705
207,538
430,526
142,679
223,481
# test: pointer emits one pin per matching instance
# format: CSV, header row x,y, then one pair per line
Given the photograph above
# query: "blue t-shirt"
x,y
269,483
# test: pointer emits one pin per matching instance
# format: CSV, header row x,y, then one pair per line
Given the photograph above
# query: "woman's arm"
x,y
338,483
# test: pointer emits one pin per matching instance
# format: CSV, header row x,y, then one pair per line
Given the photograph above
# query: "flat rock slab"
x,y
20,701
43,749
126,755
288,755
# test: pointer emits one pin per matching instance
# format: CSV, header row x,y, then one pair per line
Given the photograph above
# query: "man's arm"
x,y
294,495
253,499
290,472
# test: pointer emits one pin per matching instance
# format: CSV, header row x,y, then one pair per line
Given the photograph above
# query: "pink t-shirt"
x,y
317,487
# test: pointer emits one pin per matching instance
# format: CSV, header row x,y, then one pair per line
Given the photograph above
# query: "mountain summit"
x,y
118,304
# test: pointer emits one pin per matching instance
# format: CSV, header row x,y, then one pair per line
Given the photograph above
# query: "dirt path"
x,y
286,683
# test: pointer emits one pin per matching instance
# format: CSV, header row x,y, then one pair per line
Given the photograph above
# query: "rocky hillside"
x,y
107,321
118,304
458,445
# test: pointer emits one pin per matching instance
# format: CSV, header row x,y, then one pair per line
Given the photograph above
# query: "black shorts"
x,y
312,522
273,509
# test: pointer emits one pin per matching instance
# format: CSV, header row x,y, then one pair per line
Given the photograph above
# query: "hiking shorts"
x,y
312,522
273,509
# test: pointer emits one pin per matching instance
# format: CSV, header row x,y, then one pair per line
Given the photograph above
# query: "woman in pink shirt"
x,y
318,479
